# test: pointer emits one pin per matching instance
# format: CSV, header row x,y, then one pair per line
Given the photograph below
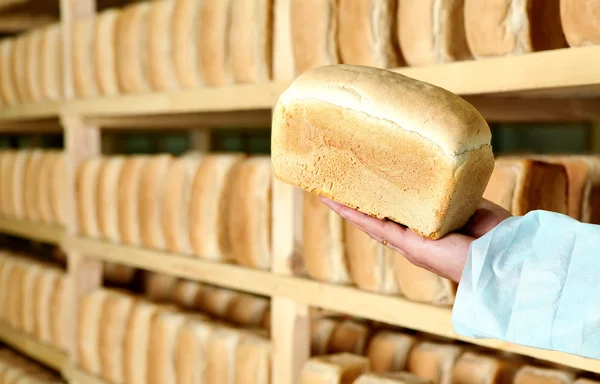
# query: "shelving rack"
x,y
558,85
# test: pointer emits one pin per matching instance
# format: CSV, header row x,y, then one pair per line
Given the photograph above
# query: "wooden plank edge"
x,y
34,231
388,309
34,349
30,111
76,375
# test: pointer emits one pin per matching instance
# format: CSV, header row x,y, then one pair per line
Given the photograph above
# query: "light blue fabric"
x,y
535,281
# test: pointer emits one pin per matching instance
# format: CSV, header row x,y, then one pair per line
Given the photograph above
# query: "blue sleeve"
x,y
534,281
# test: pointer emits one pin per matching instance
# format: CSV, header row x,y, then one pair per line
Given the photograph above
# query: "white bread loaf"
x,y
6,266
432,32
474,368
107,198
87,196
366,30
15,298
32,185
118,274
52,63
446,140
18,186
370,263
161,70
251,40
187,294
82,58
337,368
349,336
190,351
34,65
253,361
512,27
433,361
19,68
8,84
217,301
321,333
44,203
221,355
184,40
116,310
388,351
209,209
137,341
530,374
390,378
28,296
580,22
129,187
161,348
43,291
212,49
58,315
313,43
249,226
5,163
150,199
323,251
57,190
248,310
176,202
132,48
104,52
418,284
159,287
88,330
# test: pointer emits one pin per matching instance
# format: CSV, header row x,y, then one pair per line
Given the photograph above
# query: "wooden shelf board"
x,y
74,374
40,352
388,309
34,231
29,112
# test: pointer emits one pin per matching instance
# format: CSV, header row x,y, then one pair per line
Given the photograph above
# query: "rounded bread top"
x,y
442,117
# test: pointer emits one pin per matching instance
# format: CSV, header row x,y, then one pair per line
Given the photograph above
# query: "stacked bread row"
x,y
15,368
388,357
32,185
33,298
215,207
384,33
126,339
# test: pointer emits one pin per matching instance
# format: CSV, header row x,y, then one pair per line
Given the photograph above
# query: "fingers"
x,y
486,218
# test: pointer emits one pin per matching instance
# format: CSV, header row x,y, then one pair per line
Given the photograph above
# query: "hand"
x,y
445,257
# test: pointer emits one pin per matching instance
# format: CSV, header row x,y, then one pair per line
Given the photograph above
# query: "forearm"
x,y
534,280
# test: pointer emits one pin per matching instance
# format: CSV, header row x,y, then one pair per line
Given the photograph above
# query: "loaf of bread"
x,y
388,351
87,196
337,368
433,361
107,199
52,63
434,167
57,190
390,378
104,51
248,310
177,194
28,297
159,287
521,185
34,65
8,84
370,263
323,251
349,336
88,330
366,32
19,68
249,225
531,374
43,290
213,50
585,381
82,56
418,284
580,22
6,266
132,46
321,333
253,361
118,274
8,159
251,40
32,185
313,44
187,294
44,202
58,315
161,70
163,337
115,313
15,298
512,27
185,39
129,191
217,302
474,368
221,355
18,180
209,206
190,351
432,32
150,199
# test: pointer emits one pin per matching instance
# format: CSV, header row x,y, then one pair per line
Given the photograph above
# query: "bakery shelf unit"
x,y
559,85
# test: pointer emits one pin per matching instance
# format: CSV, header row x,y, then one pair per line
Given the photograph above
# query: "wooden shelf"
x,y
349,300
30,112
74,374
40,352
35,231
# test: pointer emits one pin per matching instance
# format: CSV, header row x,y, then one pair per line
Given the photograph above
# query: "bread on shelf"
x,y
104,52
580,22
472,368
160,68
538,375
18,186
190,350
43,290
44,201
159,287
19,68
161,348
253,360
434,361
185,39
129,191
107,198
390,378
513,27
88,331
248,310
349,336
52,63
57,190
187,294
34,65
336,368
28,284
82,58
388,351
132,45
8,86
213,44
32,184
59,313
221,355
